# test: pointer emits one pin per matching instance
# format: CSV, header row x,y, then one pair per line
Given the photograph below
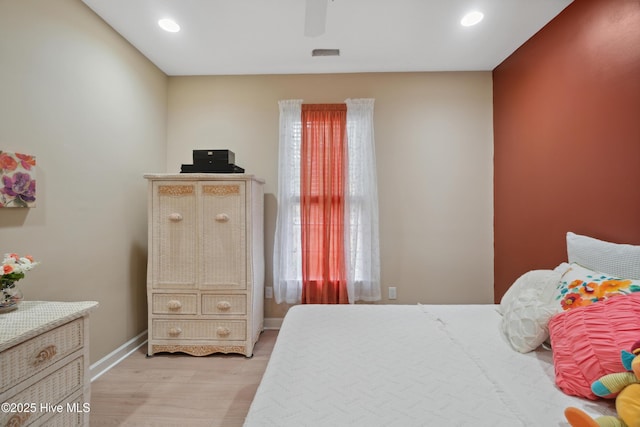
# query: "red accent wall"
x,y
567,137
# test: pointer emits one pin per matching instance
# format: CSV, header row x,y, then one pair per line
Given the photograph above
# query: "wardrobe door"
x,y
174,241
224,235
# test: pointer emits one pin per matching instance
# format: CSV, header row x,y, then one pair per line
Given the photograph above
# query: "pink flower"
x,y
7,162
26,160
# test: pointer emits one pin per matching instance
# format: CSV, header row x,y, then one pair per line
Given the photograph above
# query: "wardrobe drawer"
x,y
175,303
32,356
180,330
224,304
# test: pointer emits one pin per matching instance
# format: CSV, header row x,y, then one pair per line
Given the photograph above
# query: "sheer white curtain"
x,y
362,239
362,242
287,255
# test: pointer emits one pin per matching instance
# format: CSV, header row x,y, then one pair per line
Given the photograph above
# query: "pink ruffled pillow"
x,y
587,341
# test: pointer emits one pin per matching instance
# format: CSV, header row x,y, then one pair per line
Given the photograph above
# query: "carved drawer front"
x,y
32,356
175,303
224,304
181,330
52,389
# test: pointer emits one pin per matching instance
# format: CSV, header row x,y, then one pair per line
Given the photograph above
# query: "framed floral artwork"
x,y
17,180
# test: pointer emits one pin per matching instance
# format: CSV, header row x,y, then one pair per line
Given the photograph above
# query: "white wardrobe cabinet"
x,y
205,277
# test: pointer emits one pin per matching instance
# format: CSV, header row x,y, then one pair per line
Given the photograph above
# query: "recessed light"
x,y
169,25
471,18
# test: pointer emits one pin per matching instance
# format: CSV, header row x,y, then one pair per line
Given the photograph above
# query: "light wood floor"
x,y
179,390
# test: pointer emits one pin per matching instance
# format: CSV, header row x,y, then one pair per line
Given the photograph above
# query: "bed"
x,y
391,365
419,365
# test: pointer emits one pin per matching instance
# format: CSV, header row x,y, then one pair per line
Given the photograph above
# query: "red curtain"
x,y
323,163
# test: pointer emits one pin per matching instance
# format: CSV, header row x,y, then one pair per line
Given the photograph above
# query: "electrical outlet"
x,y
392,292
268,292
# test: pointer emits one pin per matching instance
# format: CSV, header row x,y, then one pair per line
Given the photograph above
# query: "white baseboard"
x,y
272,322
116,356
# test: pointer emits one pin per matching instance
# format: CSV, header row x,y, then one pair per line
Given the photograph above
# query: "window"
x,y
354,208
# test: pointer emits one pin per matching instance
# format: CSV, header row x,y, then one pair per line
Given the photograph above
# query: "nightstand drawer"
x,y
32,356
224,304
52,389
180,330
175,303
75,413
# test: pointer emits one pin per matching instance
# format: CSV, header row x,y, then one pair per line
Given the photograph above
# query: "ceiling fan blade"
x,y
315,17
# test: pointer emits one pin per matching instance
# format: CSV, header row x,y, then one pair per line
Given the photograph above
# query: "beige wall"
x,y
92,110
434,144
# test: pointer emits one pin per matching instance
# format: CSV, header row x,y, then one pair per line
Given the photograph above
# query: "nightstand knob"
x,y
175,331
223,217
223,332
223,305
174,304
45,354
19,419
175,217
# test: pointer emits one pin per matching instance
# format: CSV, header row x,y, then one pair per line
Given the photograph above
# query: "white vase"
x,y
10,297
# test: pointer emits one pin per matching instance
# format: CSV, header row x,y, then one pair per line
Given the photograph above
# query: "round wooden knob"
x,y
174,304
223,332
175,331
175,217
223,305
223,217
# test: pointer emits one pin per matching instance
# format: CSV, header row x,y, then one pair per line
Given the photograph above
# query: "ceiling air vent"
x,y
325,52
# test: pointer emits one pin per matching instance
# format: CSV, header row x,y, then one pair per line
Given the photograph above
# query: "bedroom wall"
x,y
567,137
92,110
434,146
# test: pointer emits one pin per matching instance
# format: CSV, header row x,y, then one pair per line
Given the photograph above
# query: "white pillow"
x,y
562,268
527,307
616,259
544,281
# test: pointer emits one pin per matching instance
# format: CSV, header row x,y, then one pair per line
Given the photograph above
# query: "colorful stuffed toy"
x,y
624,386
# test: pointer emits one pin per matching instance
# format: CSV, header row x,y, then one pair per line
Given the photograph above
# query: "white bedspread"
x,y
393,365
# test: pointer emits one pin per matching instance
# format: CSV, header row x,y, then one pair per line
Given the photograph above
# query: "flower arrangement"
x,y
13,269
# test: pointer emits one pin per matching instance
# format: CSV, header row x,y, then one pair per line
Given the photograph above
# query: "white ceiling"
x,y
267,36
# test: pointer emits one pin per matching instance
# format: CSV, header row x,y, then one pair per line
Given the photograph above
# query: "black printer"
x,y
212,161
